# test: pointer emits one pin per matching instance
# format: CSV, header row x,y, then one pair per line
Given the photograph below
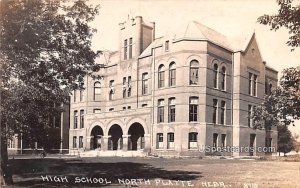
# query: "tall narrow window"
x,y
111,90
215,140
74,142
223,140
75,95
194,68
129,86
81,118
215,110
250,112
172,110
145,83
130,48
223,78
125,49
75,119
172,74
255,85
161,76
223,114
97,91
270,88
124,87
193,139
193,109
167,45
250,84
81,92
80,141
216,70
170,139
160,111
159,141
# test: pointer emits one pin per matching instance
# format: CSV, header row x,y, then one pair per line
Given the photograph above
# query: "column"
x,y
105,143
147,143
88,142
125,142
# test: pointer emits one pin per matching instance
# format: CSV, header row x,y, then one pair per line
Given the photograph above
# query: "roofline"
x,y
272,69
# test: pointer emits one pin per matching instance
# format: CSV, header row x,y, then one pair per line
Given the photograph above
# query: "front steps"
x,y
111,153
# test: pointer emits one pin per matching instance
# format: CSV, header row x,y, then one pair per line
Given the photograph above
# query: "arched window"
x,y
161,76
97,91
194,68
223,78
216,70
172,74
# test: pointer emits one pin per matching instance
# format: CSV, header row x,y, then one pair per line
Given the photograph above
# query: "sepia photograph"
x,y
141,93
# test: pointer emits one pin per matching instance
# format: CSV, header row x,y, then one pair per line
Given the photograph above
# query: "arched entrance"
x,y
96,136
137,139
115,140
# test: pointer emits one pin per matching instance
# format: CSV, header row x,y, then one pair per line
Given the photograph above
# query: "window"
x,y
194,68
193,109
270,88
125,49
223,114
75,96
81,142
124,87
97,110
81,118
144,83
97,91
193,139
172,74
167,45
223,78
159,141
160,111
161,76
81,92
74,142
128,107
129,87
250,113
130,48
112,109
254,85
215,140
111,90
144,105
216,70
124,107
215,110
170,139
250,84
172,110
75,119
223,140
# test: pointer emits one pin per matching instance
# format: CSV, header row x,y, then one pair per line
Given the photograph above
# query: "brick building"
x,y
172,95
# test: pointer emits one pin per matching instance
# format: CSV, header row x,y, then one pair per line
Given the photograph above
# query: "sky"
x,y
236,19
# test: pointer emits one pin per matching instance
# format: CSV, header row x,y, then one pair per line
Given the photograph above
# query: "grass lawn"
x,y
154,172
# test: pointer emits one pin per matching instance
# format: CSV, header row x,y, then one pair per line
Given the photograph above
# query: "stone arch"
x,y
93,124
136,120
115,140
137,137
111,123
96,135
194,57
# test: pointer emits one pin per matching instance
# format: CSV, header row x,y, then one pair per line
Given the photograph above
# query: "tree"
x,y
45,52
281,108
288,17
285,141
296,143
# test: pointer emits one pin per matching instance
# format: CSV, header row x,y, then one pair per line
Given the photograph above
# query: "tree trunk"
x,y
6,175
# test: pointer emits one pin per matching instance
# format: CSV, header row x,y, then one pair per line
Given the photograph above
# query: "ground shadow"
x,y
28,172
